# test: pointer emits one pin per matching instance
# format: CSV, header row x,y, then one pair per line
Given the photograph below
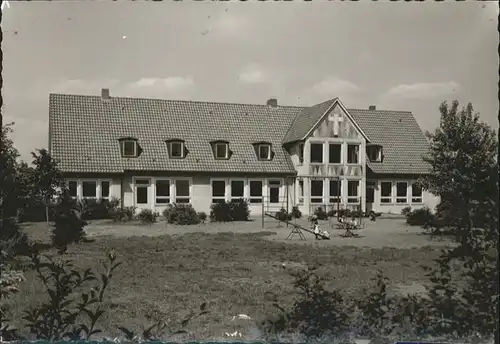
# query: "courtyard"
x,y
237,268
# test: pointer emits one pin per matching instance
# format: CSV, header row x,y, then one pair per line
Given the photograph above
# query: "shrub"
x,y
344,213
331,213
236,210
282,215
68,223
95,209
148,216
420,217
202,216
296,213
321,214
123,214
406,210
181,214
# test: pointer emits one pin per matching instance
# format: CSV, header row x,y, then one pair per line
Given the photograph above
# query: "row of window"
x,y
334,191
91,189
374,153
177,149
402,195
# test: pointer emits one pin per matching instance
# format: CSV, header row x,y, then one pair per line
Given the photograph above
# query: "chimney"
x,y
272,102
372,108
105,93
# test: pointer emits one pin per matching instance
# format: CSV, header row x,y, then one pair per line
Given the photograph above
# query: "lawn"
x,y
166,276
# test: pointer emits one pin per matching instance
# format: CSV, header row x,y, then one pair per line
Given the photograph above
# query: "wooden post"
x,y
287,203
263,215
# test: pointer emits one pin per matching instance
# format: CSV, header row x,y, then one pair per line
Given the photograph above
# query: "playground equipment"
x,y
297,229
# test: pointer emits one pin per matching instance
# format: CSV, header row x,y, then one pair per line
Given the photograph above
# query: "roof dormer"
x,y
176,148
263,150
221,149
374,152
129,147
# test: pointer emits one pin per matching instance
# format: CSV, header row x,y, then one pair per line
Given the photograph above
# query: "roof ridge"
x,y
175,100
368,110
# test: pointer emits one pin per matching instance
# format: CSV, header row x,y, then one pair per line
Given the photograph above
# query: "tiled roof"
x,y
401,138
85,132
305,120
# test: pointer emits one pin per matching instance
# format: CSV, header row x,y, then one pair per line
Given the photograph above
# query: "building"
x,y
151,152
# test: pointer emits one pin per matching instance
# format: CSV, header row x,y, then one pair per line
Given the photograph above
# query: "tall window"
x,y
317,152
353,191
256,191
182,191
162,191
237,189
374,153
335,191
129,148
73,188
105,189
386,192
221,150
301,153
142,191
416,193
335,153
218,191
353,154
401,192
264,152
316,191
176,149
89,188
301,191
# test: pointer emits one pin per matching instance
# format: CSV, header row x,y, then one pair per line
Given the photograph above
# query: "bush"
x,y
123,214
236,210
182,214
147,216
68,222
202,216
420,217
406,210
321,214
331,213
283,216
296,213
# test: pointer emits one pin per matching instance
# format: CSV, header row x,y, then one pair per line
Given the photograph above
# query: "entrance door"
x,y
142,193
274,191
370,197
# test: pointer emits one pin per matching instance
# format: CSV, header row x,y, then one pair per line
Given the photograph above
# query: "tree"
x,y
463,157
47,178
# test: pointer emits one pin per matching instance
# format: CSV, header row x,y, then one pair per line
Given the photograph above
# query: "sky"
x,y
398,56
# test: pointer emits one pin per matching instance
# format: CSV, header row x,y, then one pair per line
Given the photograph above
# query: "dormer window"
x,y
221,149
129,147
264,151
176,149
374,153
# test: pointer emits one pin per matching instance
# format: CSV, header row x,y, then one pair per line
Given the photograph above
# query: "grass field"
x,y
234,268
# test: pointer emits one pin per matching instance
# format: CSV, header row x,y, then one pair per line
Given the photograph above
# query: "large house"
x,y
151,152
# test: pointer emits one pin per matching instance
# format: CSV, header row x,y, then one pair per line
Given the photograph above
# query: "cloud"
x,y
231,25
174,86
253,74
423,90
334,87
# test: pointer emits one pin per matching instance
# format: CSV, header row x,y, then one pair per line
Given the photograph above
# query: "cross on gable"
x,y
336,119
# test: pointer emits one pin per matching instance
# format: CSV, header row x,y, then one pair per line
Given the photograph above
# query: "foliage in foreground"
x,y
148,216
236,210
182,214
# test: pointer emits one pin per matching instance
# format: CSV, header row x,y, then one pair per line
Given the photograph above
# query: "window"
x,y
129,148
335,191
237,189
105,188
386,192
182,191
301,153
416,193
256,191
335,153
301,191
142,191
264,152
221,150
73,188
274,191
218,191
374,154
352,191
162,191
353,154
176,149
401,192
317,153
316,191
89,189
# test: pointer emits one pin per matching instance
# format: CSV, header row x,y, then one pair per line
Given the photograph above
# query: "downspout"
x,y
121,192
